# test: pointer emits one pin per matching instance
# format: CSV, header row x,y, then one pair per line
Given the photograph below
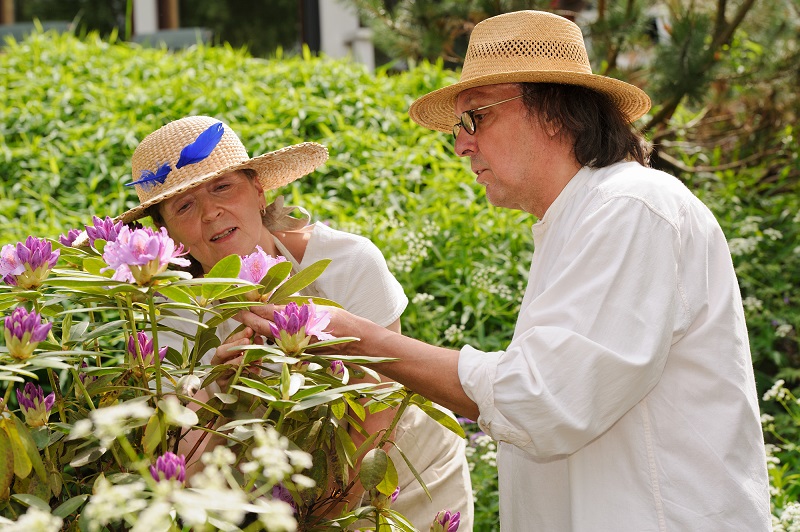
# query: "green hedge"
x,y
74,110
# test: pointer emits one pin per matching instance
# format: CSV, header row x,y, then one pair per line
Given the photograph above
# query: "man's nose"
x,y
465,144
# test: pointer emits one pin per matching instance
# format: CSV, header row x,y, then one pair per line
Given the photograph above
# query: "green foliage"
x,y
76,110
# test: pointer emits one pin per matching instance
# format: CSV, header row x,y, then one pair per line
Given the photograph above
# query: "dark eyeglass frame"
x,y
467,120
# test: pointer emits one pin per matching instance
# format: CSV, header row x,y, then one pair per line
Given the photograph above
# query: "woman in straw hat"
x,y
626,398
193,176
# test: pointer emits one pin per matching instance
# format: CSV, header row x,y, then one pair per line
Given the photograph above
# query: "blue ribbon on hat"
x,y
191,154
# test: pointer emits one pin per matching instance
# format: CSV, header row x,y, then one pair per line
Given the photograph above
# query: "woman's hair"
x,y
602,135
154,212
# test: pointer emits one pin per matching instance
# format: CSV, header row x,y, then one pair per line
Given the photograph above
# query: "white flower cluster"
x,y
789,521
485,278
421,297
271,457
776,392
783,330
106,424
752,304
417,249
454,333
34,520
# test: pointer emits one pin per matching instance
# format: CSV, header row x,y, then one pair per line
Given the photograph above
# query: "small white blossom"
x,y
421,297
783,330
176,413
743,246
454,333
34,520
776,392
112,503
752,304
157,516
276,516
113,421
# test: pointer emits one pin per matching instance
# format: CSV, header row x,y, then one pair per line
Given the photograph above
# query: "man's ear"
x,y
551,127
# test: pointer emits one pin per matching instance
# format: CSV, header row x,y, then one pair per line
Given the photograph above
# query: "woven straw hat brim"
x,y
436,110
525,46
274,169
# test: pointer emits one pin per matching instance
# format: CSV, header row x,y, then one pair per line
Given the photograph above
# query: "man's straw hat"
x,y
525,46
190,151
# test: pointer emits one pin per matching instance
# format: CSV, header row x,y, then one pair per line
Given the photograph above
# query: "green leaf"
x,y
177,293
228,268
389,482
22,462
70,506
6,463
413,471
374,467
443,418
32,501
275,276
299,281
152,435
30,449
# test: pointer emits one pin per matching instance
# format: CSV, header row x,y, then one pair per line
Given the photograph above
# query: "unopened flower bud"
x,y
188,385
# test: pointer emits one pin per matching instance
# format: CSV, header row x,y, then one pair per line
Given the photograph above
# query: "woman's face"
x,y
218,218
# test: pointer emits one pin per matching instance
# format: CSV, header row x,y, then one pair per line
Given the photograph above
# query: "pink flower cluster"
x,y
34,405
27,264
23,331
294,326
137,255
145,348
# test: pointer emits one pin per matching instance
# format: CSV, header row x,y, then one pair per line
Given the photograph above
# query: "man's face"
x,y
217,219
510,151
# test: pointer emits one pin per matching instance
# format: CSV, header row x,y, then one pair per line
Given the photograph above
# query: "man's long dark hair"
x,y
602,134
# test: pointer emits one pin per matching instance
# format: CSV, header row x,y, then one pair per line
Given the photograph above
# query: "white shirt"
x,y
626,399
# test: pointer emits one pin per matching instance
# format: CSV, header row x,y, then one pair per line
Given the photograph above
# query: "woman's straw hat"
x,y
196,149
525,46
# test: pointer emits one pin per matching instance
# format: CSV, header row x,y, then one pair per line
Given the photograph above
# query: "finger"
x,y
265,311
245,333
255,322
225,355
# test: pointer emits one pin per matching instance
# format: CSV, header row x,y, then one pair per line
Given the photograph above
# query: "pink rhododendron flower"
x,y
256,265
336,369
446,521
23,331
169,466
145,348
27,264
294,326
34,405
138,255
105,229
69,238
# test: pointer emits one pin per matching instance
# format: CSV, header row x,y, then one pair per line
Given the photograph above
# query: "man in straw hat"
x,y
626,398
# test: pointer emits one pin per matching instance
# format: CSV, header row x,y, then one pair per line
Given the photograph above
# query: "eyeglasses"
x,y
467,120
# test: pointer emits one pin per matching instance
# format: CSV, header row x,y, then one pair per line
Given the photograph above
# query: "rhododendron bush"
x,y
94,405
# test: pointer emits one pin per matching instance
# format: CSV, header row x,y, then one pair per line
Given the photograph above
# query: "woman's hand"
x,y
226,354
